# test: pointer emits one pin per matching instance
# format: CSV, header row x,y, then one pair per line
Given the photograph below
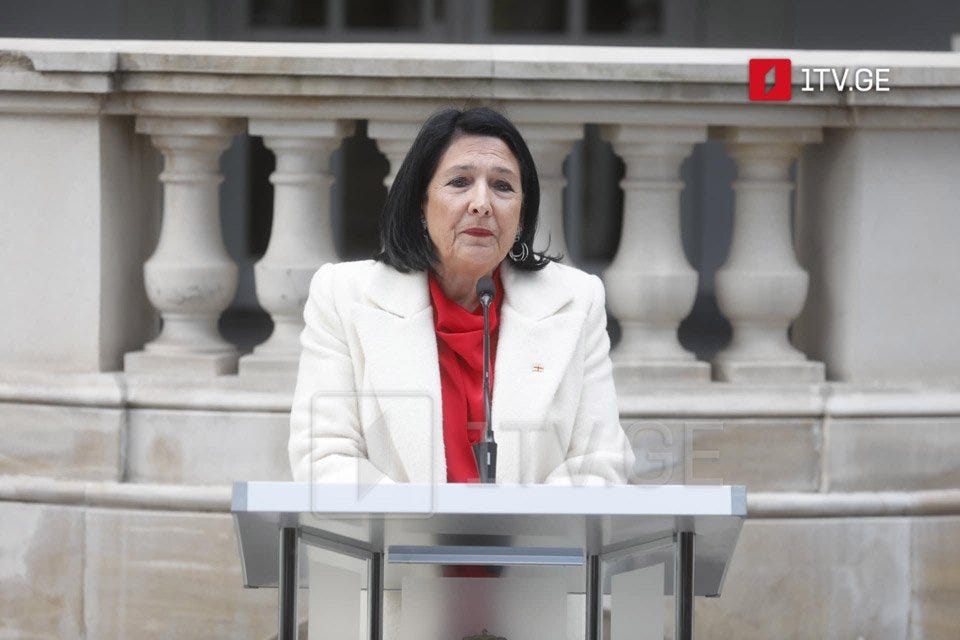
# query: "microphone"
x,y
485,451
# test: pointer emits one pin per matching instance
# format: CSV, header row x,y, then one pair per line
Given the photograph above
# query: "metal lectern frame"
x,y
617,522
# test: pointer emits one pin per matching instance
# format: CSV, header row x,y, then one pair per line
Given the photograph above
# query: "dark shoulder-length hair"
x,y
405,246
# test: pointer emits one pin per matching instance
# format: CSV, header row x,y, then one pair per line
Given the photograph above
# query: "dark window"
x,y
623,16
288,13
528,16
382,14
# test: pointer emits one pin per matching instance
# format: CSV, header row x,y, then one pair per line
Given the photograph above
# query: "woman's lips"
x,y
476,231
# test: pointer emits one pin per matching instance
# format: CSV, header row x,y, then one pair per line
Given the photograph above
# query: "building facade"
x,y
816,236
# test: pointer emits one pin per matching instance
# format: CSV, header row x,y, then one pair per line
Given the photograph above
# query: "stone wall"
x,y
117,520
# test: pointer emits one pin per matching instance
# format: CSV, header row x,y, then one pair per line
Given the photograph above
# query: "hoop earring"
x,y
520,251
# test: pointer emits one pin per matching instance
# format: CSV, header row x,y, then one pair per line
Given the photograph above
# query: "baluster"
x,y
190,278
549,146
301,238
394,140
650,285
761,287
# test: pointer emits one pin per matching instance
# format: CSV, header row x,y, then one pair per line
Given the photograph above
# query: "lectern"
x,y
590,533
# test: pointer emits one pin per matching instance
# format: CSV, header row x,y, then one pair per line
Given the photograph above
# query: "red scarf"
x,y
460,350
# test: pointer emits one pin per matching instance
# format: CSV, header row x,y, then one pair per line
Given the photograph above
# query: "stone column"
x,y
79,210
761,287
393,138
877,229
549,145
301,238
650,285
190,278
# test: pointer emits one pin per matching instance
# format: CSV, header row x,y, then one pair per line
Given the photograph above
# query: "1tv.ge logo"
x,y
770,79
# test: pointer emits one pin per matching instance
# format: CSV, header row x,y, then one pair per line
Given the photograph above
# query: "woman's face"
x,y
473,205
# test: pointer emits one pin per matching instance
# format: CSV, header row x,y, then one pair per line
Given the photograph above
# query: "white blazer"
x,y
367,406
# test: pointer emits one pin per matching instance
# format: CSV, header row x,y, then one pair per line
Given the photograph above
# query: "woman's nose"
x,y
480,199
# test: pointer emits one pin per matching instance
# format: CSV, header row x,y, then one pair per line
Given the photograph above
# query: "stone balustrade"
x,y
653,106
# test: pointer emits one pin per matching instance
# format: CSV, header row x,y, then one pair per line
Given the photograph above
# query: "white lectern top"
x,y
559,525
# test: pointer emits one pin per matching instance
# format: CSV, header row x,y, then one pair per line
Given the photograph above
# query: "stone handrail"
x,y
238,394
216,498
191,98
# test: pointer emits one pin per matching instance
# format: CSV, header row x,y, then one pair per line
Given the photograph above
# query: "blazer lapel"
x,y
400,369
538,334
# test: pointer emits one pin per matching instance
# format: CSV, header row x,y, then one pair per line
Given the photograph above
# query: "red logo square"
x,y
770,79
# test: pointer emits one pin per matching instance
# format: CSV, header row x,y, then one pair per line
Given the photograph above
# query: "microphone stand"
x,y
485,451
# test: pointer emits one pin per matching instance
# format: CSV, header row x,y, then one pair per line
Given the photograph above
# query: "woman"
x,y
389,387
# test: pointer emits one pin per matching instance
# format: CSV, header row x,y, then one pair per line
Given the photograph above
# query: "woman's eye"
x,y
503,186
458,182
